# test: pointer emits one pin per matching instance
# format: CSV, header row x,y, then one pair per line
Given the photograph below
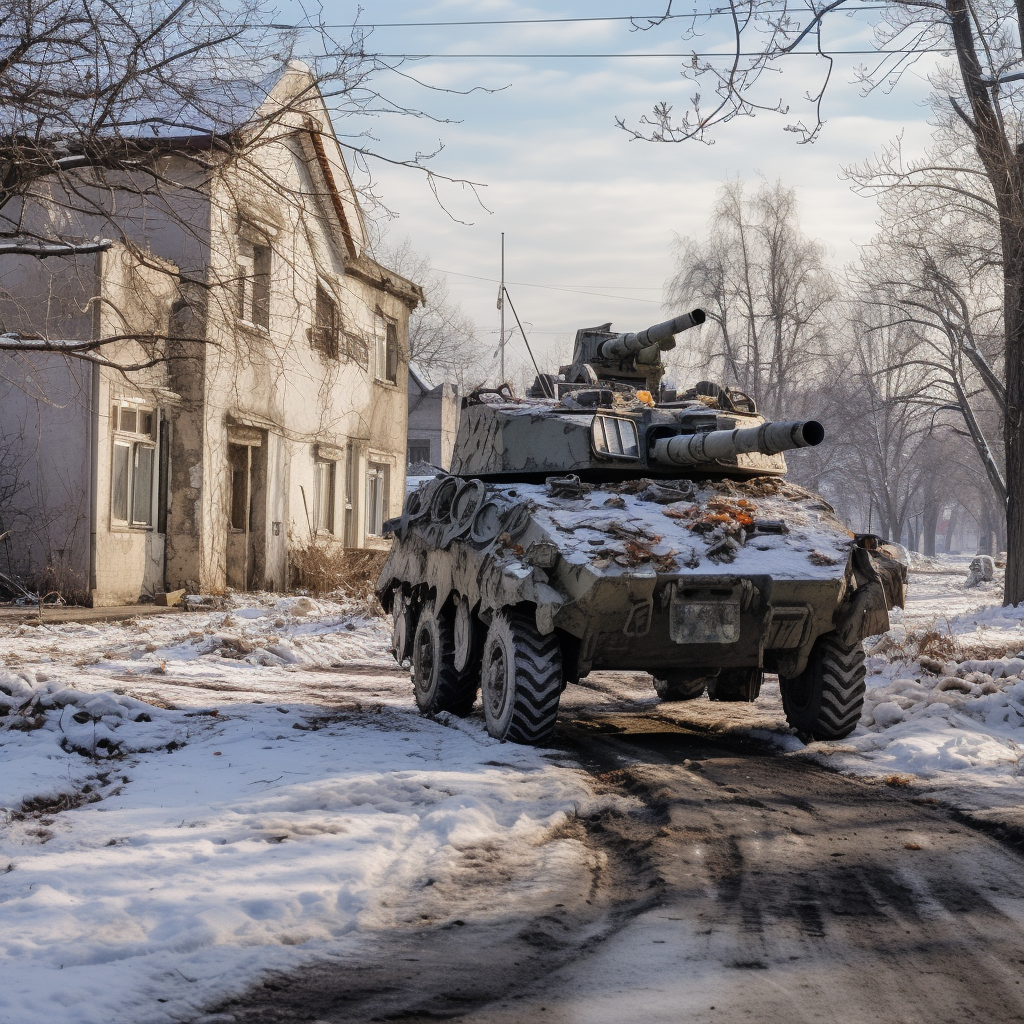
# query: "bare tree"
x,y
443,340
882,437
114,112
940,314
767,292
985,91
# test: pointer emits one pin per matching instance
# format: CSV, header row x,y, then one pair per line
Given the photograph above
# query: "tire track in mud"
x,y
447,971
781,890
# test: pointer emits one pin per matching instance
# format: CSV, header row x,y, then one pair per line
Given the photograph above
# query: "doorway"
x,y
247,533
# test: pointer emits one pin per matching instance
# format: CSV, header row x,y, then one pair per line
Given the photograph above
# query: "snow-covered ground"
x,y
188,800
945,701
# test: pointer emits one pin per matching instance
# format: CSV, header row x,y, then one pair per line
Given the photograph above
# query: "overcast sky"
x,y
583,208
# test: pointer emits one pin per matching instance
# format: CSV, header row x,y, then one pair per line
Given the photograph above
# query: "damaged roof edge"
x,y
364,268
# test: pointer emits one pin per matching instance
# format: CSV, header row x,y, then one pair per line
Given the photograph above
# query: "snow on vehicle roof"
x,y
594,529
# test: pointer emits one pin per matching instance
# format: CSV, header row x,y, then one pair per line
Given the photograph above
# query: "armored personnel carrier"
x,y
607,522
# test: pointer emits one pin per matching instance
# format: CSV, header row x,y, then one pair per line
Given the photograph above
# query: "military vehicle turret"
x,y
608,522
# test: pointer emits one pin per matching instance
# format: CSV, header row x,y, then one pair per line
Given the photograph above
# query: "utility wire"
x,y
657,18
555,288
645,56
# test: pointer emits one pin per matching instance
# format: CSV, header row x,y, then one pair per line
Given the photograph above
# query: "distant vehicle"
x,y
606,522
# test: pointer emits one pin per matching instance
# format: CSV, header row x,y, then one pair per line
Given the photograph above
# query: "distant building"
x,y
433,422
283,420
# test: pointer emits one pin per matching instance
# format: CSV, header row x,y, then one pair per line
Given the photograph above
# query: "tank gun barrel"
x,y
768,438
662,335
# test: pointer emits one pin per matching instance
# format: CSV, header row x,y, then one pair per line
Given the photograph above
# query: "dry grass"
x,y
933,644
928,642
338,572
897,780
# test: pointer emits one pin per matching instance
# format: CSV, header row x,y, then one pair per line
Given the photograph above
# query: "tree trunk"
x,y
931,524
951,525
1013,592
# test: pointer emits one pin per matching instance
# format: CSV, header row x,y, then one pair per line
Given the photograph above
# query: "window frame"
x,y
385,350
417,444
381,473
324,337
254,263
325,468
133,442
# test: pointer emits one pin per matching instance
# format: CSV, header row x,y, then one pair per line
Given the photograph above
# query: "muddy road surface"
x,y
747,886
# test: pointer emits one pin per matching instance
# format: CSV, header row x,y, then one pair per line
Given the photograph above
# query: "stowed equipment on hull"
x,y
608,522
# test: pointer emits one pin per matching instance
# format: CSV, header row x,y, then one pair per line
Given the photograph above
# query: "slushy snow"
x,y
156,859
189,800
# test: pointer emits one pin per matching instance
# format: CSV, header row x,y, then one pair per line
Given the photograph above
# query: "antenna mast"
x,y
501,306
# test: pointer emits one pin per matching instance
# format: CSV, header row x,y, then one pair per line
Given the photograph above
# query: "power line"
x,y
645,56
657,18
555,288
503,21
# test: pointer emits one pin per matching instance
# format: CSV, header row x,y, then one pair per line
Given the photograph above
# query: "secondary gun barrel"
x,y
768,438
629,344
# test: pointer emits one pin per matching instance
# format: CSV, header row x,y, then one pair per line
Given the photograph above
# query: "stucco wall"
x,y
45,461
275,380
287,193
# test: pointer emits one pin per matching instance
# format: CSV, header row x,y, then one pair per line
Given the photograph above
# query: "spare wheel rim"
x,y
497,682
425,659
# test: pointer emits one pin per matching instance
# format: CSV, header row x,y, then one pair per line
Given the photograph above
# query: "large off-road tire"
x,y
736,684
521,679
825,700
437,684
671,686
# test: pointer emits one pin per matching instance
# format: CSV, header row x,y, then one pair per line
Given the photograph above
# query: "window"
x,y
376,498
253,295
385,364
615,437
391,355
325,327
132,474
419,451
323,499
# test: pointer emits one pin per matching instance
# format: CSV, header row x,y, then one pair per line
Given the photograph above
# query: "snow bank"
x,y
948,717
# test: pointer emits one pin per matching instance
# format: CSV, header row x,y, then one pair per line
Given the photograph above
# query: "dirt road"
x,y
750,887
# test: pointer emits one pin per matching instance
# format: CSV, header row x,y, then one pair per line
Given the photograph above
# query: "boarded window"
x,y
239,458
391,355
325,329
261,286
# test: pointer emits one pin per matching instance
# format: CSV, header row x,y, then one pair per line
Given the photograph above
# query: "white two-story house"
x,y
255,400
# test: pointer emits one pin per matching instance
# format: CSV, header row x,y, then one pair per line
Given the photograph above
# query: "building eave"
x,y
371,272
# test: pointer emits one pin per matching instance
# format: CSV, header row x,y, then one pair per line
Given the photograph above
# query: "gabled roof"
x,y
300,107
416,378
